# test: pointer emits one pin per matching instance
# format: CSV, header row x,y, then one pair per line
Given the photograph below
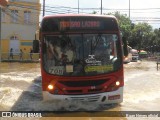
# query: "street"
x,y
142,91
20,89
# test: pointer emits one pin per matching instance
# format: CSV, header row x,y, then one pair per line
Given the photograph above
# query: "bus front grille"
x,y
92,98
83,83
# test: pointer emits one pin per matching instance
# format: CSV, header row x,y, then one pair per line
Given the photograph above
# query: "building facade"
x,y
19,23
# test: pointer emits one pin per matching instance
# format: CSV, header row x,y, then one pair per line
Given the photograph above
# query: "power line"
x,y
143,10
102,8
63,10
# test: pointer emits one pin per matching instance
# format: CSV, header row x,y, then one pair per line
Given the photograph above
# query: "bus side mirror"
x,y
35,46
125,48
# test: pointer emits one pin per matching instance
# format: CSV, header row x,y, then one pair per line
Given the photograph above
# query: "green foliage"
x,y
137,35
94,12
124,23
141,36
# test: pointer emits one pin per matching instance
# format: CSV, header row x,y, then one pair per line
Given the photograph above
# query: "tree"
x,y
155,43
94,12
141,36
138,36
124,23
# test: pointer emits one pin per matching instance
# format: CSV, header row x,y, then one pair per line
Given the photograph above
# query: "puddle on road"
x,y
141,87
22,90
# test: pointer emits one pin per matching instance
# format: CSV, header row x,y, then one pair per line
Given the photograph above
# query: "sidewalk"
x,y
23,61
26,58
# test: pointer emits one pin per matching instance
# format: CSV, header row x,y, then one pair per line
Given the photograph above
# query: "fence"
x,y
17,57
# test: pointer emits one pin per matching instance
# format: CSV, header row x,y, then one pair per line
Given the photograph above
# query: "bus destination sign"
x,y
79,24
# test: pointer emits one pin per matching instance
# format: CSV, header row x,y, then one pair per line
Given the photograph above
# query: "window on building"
x,y
14,16
27,17
13,38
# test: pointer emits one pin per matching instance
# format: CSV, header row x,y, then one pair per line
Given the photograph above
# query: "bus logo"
x,y
91,60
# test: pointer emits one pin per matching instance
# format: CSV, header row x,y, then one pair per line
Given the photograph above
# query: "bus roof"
x,y
79,22
78,15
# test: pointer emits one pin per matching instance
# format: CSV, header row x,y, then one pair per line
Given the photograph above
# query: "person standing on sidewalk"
x,y
11,54
31,53
21,55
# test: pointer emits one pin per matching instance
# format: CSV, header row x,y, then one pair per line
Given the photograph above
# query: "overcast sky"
x,y
139,8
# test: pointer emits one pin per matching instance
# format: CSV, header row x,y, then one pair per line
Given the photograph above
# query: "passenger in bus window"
x,y
64,59
102,52
50,55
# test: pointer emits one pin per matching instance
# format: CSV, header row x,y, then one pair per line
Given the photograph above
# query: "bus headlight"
x,y
114,86
117,83
50,87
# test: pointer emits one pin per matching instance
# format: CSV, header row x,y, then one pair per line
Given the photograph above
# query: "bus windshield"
x,y
81,54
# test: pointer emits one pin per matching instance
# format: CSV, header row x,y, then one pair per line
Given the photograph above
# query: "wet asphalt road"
x,y
20,90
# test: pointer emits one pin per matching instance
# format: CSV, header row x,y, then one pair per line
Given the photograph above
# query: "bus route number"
x,y
56,70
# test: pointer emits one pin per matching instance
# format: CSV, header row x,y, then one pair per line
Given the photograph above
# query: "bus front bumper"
x,y
102,98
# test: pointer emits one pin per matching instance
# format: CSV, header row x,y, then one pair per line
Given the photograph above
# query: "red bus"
x,y
81,58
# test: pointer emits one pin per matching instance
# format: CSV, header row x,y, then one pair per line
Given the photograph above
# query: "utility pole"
x,y
101,7
43,8
0,33
78,6
129,8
